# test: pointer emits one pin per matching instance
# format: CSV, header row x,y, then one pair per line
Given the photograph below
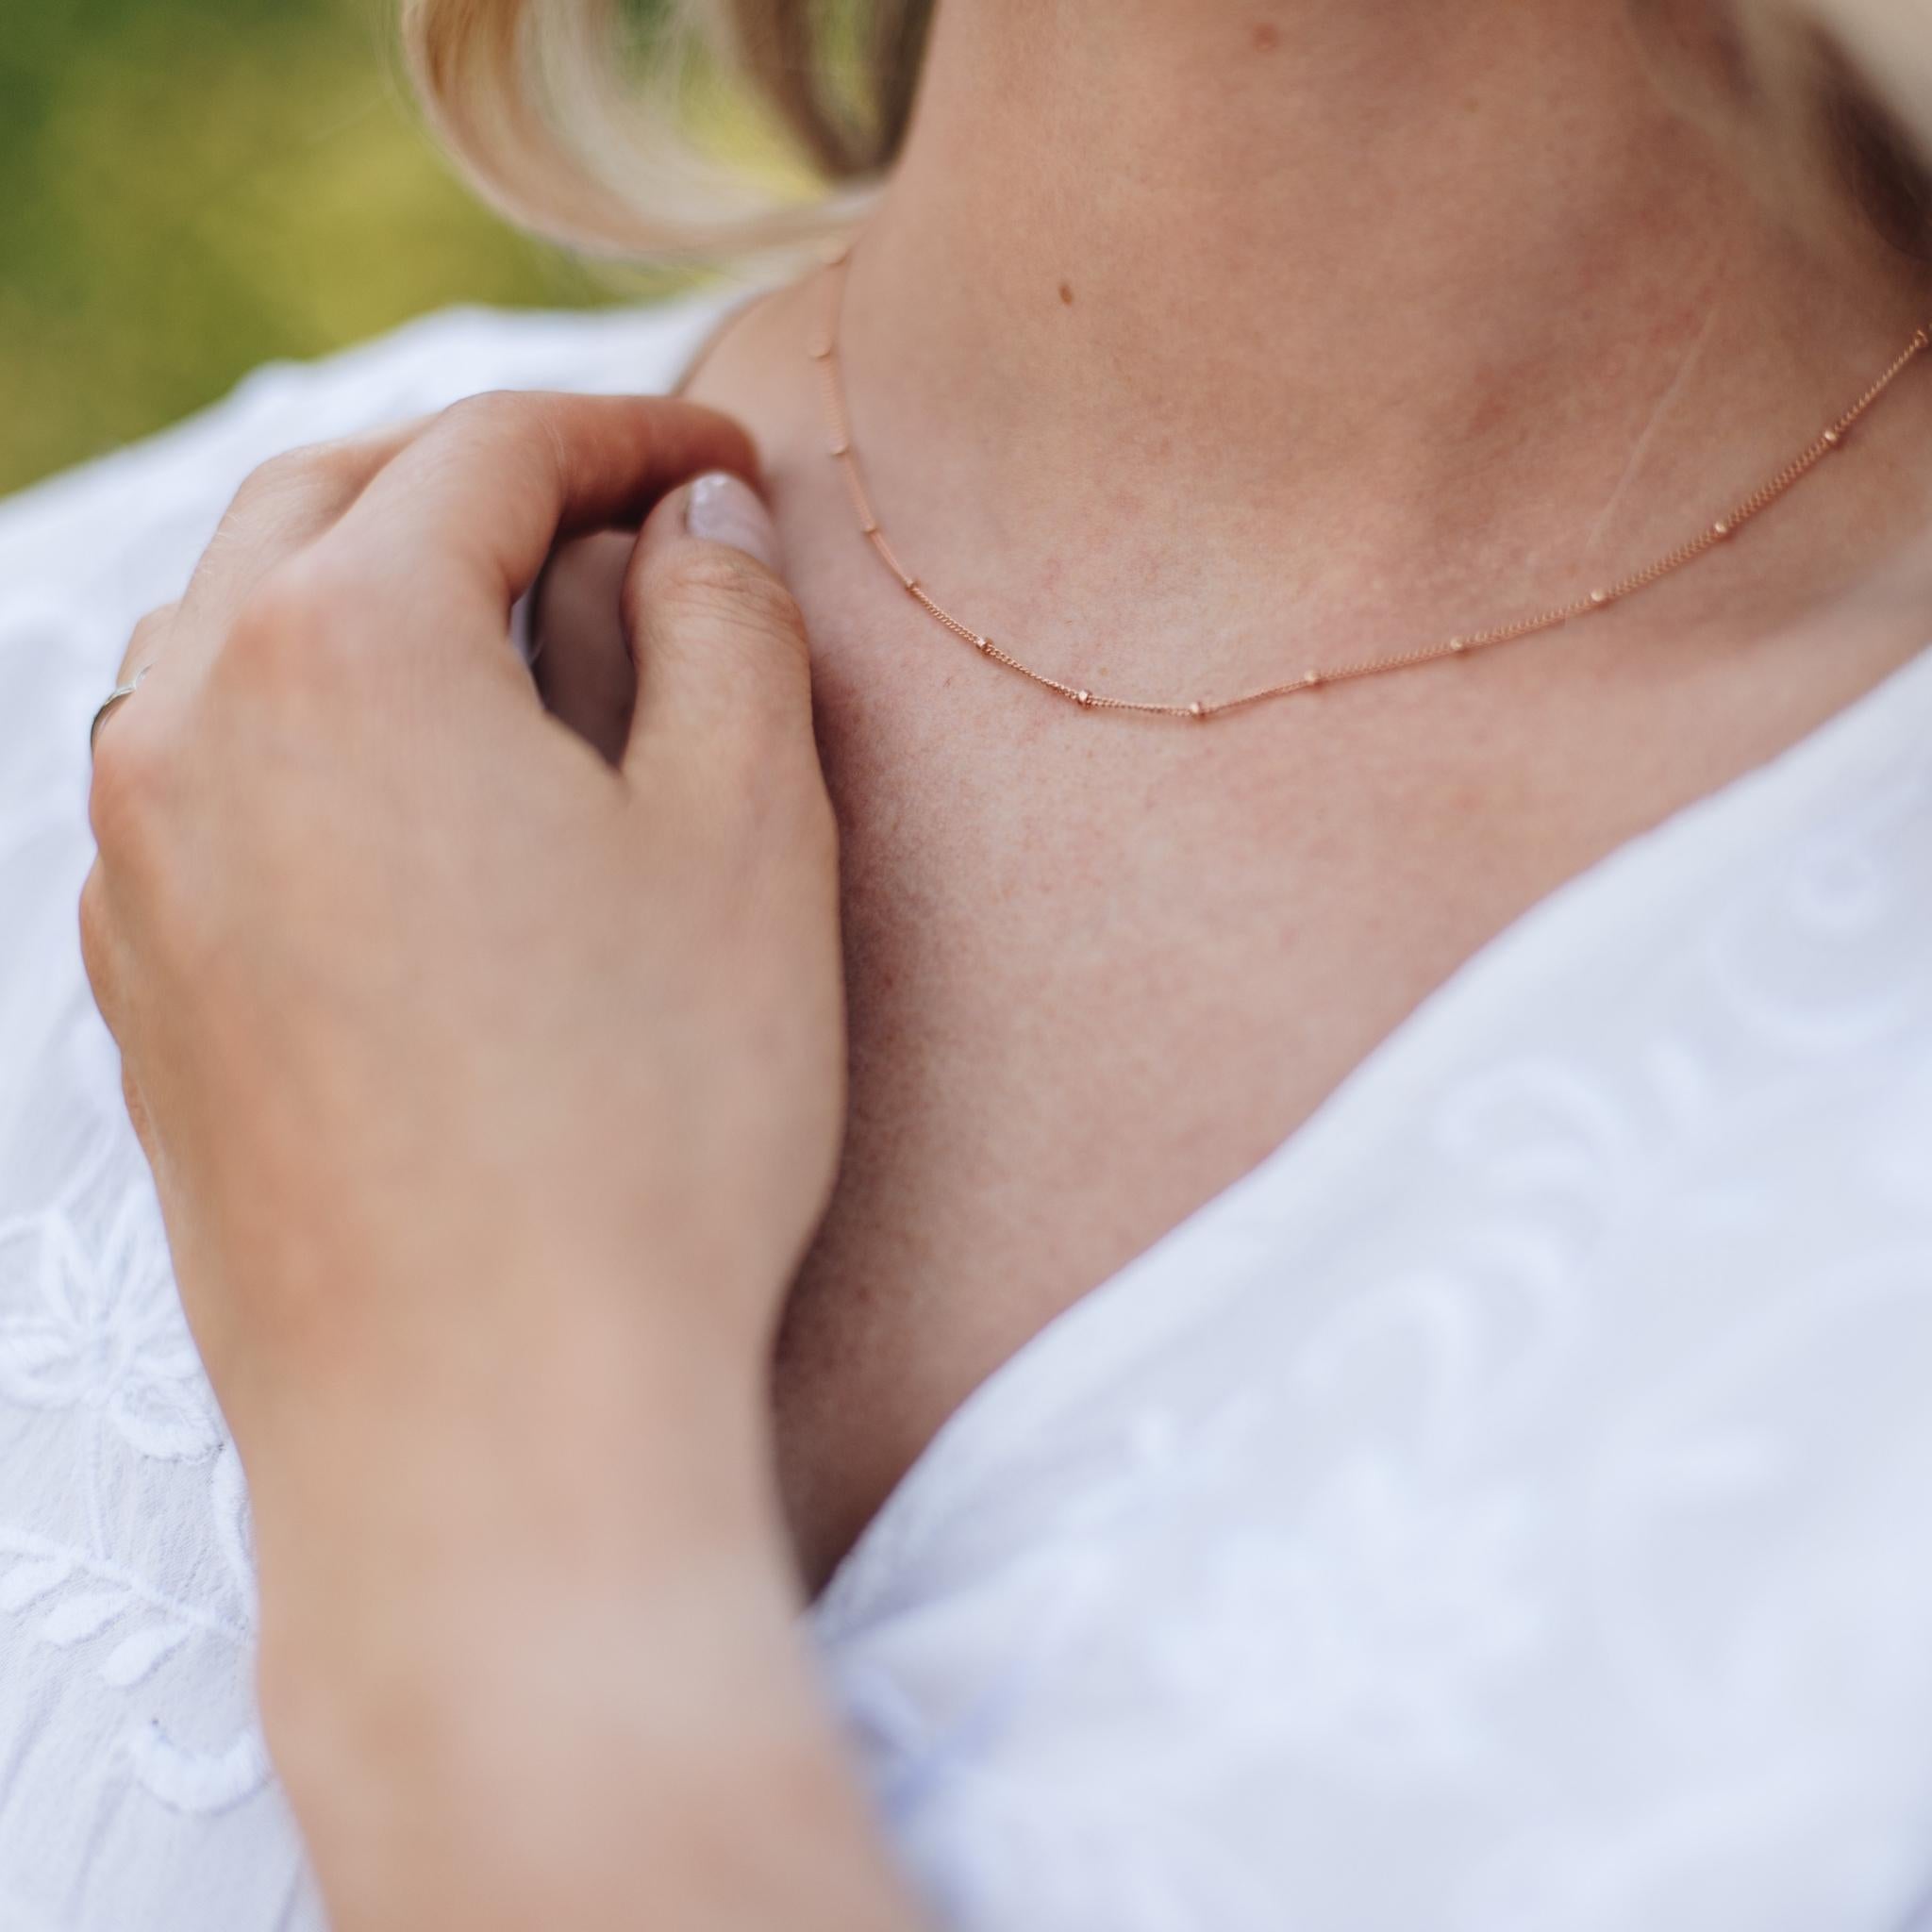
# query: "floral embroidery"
x,y
104,1330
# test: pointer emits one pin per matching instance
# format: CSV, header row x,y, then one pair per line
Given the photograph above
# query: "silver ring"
x,y
118,695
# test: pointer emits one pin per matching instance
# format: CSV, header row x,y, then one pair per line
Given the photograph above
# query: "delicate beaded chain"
x,y
840,447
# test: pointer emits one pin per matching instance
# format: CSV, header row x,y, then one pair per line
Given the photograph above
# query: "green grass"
x,y
191,187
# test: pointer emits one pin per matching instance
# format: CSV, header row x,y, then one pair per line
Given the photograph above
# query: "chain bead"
x,y
824,349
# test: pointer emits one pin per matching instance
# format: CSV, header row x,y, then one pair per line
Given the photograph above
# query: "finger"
x,y
285,503
719,641
282,505
471,509
583,665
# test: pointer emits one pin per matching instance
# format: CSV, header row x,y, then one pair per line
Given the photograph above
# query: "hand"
x,y
491,1092
356,892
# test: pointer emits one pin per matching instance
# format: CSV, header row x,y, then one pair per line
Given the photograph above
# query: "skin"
x,y
384,1294
495,1092
1313,396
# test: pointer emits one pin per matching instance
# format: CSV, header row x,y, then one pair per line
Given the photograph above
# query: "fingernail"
x,y
722,508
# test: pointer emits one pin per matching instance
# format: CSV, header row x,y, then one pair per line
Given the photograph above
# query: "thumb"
x,y
718,639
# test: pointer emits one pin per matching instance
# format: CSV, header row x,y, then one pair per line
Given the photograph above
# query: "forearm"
x,y
605,1720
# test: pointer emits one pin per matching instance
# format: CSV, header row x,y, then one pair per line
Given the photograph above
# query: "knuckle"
x,y
309,469
299,490
288,469
699,574
515,428
288,618
129,782
712,583
331,471
485,404
261,482
491,411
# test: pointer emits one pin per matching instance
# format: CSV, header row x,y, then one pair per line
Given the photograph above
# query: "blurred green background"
x,y
191,187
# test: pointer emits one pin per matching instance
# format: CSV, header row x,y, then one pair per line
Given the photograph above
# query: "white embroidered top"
x,y
1507,1510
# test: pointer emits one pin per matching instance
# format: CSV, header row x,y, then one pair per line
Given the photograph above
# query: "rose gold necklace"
x,y
842,449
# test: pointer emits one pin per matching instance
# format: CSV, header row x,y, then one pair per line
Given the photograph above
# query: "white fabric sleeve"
x,y
134,1788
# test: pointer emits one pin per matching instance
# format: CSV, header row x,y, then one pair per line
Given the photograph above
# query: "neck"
x,y
1459,277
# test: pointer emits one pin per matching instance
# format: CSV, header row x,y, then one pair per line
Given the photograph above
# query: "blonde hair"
x,y
576,119
585,124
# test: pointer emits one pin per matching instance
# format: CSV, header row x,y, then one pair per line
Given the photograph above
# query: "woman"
x,y
1500,1505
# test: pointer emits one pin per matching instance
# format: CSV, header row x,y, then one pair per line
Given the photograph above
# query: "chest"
x,y
1097,971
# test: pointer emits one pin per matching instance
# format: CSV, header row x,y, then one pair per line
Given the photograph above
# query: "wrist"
x,y
530,1761
501,1716
432,1528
